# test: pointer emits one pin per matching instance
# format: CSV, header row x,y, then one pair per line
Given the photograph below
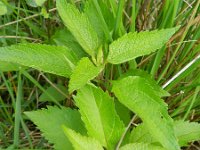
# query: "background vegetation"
x,y
176,67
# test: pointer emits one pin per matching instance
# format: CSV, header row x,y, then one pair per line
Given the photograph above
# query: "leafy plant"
x,y
97,123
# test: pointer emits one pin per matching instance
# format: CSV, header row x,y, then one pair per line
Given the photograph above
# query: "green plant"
x,y
98,124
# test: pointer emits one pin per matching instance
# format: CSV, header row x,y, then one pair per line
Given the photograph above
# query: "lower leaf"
x,y
50,122
137,94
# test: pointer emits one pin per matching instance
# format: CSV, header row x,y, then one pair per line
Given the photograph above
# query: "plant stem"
x,y
18,111
118,21
126,130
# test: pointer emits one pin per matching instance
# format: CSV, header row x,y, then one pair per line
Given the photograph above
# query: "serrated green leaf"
x,y
98,113
187,131
141,146
7,66
149,78
50,122
136,94
133,45
54,93
80,26
63,37
52,59
3,8
80,142
83,73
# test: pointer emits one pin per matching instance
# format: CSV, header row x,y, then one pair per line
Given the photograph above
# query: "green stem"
x,y
18,111
192,102
133,16
118,21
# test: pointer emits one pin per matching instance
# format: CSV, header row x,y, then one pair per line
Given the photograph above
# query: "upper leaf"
x,y
138,95
98,113
80,142
133,45
53,59
141,146
50,122
79,25
83,73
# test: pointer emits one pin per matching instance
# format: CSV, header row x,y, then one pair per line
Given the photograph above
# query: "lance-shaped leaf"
x,y
133,45
98,113
138,95
141,146
144,74
79,25
81,142
50,122
52,59
83,73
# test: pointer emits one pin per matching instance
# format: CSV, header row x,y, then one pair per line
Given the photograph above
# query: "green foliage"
x,y
3,8
80,142
39,2
141,146
142,100
84,48
186,131
83,73
55,91
7,66
50,122
99,115
53,59
35,3
93,17
80,26
133,45
156,88
63,37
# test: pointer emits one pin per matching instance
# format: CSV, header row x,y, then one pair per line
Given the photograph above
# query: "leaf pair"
x,y
97,110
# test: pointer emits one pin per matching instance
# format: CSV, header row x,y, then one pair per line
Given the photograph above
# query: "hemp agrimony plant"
x,y
104,104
